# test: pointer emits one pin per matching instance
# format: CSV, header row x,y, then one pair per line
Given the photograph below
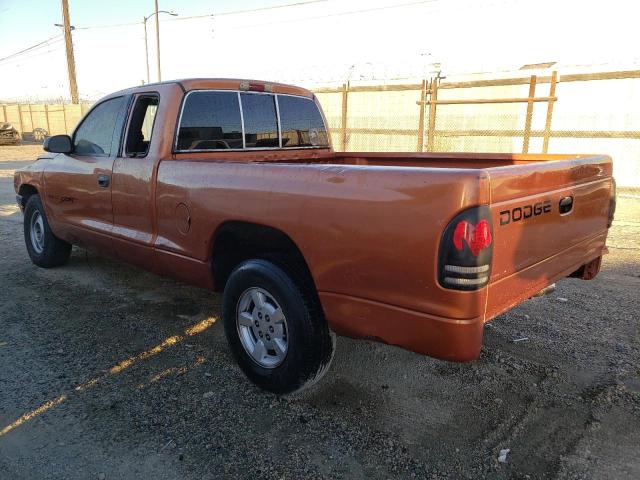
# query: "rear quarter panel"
x,y
366,232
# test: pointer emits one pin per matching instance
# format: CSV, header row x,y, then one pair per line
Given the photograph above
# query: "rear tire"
x,y
288,352
44,248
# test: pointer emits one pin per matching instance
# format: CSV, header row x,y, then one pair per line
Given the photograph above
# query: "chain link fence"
x,y
576,113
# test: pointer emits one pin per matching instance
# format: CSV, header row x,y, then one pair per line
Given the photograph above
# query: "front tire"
x,y
44,248
275,327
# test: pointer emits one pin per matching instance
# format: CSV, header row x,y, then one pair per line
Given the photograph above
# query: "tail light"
x,y
466,250
612,202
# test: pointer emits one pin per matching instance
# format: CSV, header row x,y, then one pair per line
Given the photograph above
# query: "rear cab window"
x,y
210,121
213,120
301,122
260,120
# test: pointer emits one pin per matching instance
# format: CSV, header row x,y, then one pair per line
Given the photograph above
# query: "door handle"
x,y
103,181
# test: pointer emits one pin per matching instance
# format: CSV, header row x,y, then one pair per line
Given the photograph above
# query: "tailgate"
x,y
549,218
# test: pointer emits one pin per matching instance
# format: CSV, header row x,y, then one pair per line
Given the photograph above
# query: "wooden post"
x,y
547,124
343,127
64,117
432,113
46,116
31,118
71,63
20,120
158,41
4,113
423,101
527,123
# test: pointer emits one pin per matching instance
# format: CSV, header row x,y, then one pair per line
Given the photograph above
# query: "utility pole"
x,y
146,45
157,39
146,48
71,63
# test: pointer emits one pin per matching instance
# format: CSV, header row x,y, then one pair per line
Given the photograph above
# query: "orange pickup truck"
x,y
232,185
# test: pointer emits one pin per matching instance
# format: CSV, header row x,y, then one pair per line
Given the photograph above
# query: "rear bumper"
x,y
447,339
508,292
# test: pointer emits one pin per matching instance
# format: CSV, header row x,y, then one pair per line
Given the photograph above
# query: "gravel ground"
x,y
109,372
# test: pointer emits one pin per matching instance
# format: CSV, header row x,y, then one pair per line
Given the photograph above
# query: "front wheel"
x,y
275,327
44,248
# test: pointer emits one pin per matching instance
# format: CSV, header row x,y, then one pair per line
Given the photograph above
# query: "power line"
x,y
293,20
28,56
250,10
337,14
190,17
32,47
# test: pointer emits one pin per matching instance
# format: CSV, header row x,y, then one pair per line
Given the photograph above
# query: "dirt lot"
x,y
110,372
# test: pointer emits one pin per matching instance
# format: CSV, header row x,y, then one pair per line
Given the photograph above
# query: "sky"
x,y
308,42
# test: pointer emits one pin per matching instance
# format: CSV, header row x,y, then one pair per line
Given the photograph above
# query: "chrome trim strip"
x,y
459,269
465,281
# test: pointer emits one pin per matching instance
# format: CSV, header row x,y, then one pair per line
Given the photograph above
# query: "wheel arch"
x,y
237,241
26,190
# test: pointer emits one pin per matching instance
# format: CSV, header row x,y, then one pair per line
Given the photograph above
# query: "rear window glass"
x,y
301,123
260,121
210,121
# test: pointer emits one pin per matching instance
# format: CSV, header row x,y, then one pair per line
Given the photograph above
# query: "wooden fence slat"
x,y
64,118
31,118
547,123
432,113
612,134
46,116
529,117
478,101
20,120
345,99
423,100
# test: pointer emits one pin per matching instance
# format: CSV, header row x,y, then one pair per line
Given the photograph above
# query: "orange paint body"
x,y
369,225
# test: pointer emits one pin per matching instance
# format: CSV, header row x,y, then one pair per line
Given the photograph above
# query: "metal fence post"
x,y
547,124
433,99
527,123
423,102
46,116
343,127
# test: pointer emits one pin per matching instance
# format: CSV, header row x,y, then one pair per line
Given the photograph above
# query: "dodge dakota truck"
x,y
233,186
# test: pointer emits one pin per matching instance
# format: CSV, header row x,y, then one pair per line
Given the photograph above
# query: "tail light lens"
x,y
612,202
466,250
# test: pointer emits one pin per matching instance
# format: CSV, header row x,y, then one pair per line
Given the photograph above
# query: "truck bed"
x,y
370,227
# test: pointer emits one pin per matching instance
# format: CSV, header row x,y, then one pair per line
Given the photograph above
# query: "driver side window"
x,y
95,135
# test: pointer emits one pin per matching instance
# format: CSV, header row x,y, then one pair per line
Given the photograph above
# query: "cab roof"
x,y
189,84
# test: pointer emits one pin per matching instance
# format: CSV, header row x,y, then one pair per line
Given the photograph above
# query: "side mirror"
x,y
58,144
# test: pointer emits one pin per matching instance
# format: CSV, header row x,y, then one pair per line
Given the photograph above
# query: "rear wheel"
x,y
275,327
44,248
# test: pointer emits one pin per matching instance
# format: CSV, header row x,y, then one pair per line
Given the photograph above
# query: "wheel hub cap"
x,y
262,327
37,232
